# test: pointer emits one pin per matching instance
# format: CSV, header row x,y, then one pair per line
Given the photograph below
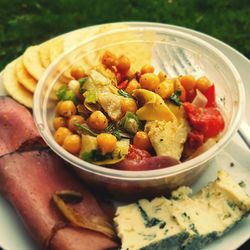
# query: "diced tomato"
x,y
209,93
136,153
123,84
195,139
118,76
207,121
190,95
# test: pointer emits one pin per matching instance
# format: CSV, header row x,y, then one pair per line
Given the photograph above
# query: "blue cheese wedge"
x,y
212,211
185,221
148,225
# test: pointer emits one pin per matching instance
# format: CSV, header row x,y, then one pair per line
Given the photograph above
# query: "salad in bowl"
x,y
121,118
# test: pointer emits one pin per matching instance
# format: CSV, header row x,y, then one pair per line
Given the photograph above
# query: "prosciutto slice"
x,y
150,163
17,128
29,180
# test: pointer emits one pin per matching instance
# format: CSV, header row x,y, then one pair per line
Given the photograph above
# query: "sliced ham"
x,y
17,128
150,163
138,160
28,180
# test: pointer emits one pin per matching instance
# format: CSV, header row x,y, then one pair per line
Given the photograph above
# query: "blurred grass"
x,y
23,23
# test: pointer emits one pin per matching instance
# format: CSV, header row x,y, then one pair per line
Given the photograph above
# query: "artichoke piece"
x,y
167,138
89,143
70,196
131,123
89,151
118,154
94,223
90,101
97,81
111,103
153,106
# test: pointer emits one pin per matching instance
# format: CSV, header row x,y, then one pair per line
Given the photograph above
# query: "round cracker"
x,y
44,53
76,37
32,63
24,77
56,48
138,53
14,88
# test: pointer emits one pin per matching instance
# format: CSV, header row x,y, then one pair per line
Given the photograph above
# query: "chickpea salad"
x,y
112,116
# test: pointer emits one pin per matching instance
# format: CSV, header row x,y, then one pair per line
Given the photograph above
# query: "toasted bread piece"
x,y
32,62
24,77
14,88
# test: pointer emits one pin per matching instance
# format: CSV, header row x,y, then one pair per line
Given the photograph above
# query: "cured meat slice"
x,y
150,163
29,180
17,128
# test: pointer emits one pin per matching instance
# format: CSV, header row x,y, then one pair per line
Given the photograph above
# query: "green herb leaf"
x,y
61,92
87,156
64,94
70,95
175,97
95,155
113,130
124,93
81,82
82,128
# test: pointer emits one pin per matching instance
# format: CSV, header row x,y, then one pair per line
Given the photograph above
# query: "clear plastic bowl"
x,y
133,184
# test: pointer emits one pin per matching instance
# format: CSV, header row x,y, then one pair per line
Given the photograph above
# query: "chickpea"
x,y
73,120
60,135
202,83
162,76
142,141
130,74
77,72
149,81
188,82
74,85
106,142
98,120
58,107
108,59
59,122
67,108
147,68
72,143
128,104
165,89
178,86
123,64
132,85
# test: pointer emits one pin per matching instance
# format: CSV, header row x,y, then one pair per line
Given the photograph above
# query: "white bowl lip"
x,y
149,174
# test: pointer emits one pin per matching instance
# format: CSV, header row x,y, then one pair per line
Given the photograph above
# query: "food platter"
x,y
14,235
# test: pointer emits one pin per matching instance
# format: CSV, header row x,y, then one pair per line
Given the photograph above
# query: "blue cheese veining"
x,y
185,221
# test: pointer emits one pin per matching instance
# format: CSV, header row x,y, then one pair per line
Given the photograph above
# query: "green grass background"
x,y
23,23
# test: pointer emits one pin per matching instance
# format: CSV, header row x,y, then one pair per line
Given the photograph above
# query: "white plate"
x,y
14,236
